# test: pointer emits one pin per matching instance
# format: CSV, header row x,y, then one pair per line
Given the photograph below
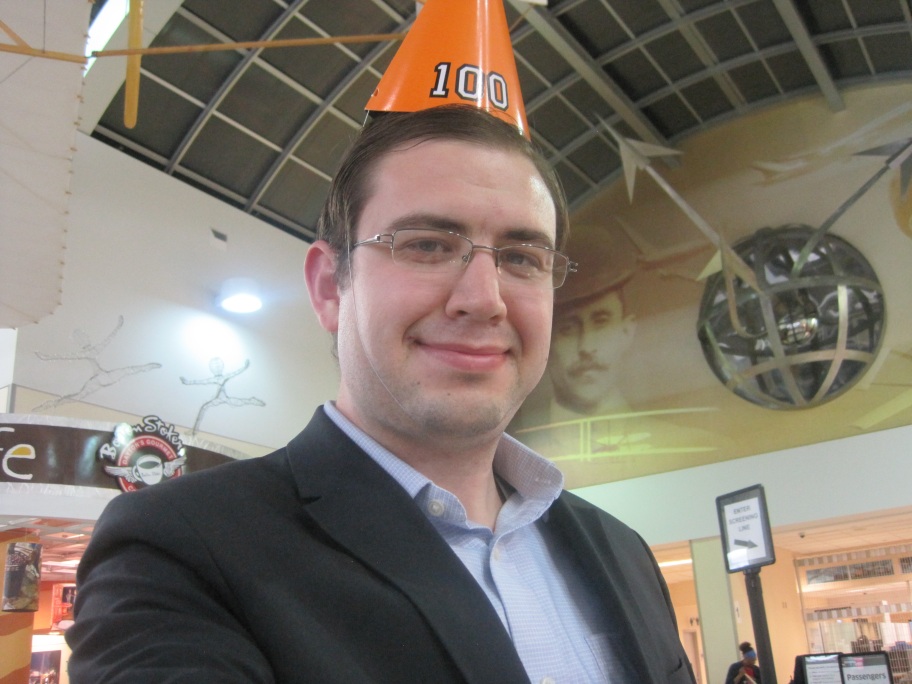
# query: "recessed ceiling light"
x,y
240,295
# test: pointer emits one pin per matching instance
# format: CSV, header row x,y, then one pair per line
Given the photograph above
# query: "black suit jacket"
x,y
311,564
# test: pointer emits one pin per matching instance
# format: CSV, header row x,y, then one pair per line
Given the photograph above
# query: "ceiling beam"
x,y
702,50
560,39
811,54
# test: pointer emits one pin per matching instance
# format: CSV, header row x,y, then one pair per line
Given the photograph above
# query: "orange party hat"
x,y
457,51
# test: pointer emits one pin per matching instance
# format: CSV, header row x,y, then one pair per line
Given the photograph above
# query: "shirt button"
x,y
548,680
435,508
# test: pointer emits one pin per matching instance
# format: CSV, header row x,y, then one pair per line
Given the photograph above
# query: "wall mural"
x,y
99,377
628,390
220,378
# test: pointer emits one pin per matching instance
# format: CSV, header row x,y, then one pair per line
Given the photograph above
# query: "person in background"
x,y
402,536
745,671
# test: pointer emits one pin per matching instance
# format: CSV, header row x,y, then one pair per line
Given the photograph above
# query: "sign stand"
x,y
748,544
761,628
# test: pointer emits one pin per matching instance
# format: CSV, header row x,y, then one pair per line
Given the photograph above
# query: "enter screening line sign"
x,y
744,524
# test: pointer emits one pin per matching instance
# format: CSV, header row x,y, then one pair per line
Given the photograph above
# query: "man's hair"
x,y
387,132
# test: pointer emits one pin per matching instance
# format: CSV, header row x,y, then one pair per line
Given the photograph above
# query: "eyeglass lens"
x,y
432,249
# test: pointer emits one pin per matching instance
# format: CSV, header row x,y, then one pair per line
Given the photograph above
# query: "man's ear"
x,y
319,274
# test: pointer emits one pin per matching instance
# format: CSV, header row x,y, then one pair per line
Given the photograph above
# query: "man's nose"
x,y
477,290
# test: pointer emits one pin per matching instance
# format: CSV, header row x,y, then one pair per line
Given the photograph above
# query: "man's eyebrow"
x,y
427,221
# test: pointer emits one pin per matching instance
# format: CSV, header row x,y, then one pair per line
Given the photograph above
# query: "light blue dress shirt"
x,y
549,612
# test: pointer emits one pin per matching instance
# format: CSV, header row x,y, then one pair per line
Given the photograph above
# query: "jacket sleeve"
x,y
150,607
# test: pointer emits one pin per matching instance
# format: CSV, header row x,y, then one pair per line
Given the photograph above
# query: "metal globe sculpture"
x,y
811,331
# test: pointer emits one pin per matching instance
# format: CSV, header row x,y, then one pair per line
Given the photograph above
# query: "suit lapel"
x,y
584,536
365,511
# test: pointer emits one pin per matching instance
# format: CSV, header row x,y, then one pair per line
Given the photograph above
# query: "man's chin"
x,y
459,419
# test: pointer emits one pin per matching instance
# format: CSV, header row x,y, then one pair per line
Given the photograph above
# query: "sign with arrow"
x,y
744,523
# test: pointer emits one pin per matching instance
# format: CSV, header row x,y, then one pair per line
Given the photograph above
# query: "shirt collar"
x,y
531,475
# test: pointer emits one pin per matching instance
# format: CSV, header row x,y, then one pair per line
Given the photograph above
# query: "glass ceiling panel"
x,y
592,106
674,55
163,119
325,143
240,20
753,82
557,123
708,99
670,115
867,13
596,30
543,57
317,67
266,105
824,16
596,160
296,193
890,53
200,74
764,24
351,17
724,36
640,16
845,59
229,157
635,74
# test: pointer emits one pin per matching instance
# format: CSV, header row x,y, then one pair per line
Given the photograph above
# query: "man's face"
x,y
427,355
589,340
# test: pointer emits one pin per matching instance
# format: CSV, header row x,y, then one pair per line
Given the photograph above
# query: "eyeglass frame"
x,y
467,257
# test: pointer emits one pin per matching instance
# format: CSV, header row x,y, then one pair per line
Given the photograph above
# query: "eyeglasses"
x,y
435,250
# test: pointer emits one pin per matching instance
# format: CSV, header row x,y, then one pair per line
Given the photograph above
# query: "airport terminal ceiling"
x,y
263,128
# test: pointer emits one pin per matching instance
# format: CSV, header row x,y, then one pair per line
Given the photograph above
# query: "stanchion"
x,y
761,628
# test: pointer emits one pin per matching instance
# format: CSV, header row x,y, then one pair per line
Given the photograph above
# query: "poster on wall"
x,y
21,577
45,668
62,600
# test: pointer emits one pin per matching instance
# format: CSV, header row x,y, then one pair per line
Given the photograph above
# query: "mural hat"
x,y
606,261
457,51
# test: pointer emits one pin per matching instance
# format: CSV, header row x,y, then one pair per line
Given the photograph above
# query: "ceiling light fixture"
x,y
103,28
240,295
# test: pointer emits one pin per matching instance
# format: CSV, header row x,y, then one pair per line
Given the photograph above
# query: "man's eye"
x,y
428,245
523,259
425,249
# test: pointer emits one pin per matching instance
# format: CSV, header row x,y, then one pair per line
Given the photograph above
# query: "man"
x,y
401,537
